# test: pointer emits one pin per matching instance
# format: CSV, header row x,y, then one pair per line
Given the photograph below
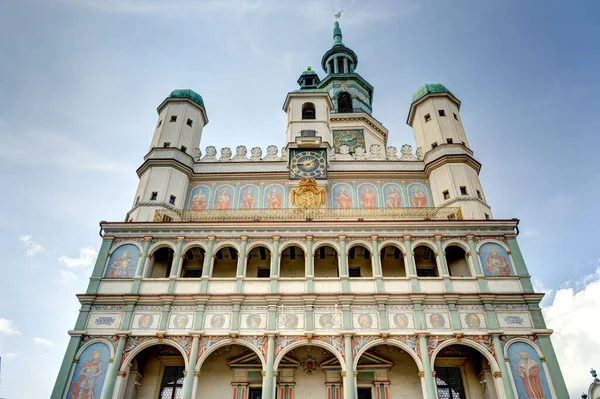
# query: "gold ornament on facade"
x,y
308,195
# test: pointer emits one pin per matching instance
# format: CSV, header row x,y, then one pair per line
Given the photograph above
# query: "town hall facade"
x,y
334,267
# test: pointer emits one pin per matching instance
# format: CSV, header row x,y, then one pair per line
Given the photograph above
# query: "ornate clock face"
x,y
308,163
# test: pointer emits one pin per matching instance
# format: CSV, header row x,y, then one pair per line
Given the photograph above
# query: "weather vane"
x,y
338,15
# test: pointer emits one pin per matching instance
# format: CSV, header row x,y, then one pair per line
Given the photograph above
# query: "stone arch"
x,y
427,243
148,344
224,244
226,342
293,243
474,345
161,244
512,265
120,244
526,341
468,255
320,344
541,356
457,243
330,243
487,241
362,243
261,243
191,245
83,347
392,243
389,341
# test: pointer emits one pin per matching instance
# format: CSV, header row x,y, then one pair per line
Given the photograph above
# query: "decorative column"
x,y
241,266
239,390
334,390
441,256
188,382
382,389
310,266
285,390
345,65
520,267
383,319
275,265
60,386
349,387
504,377
164,319
101,260
235,317
268,392
558,381
476,265
139,270
454,313
209,259
410,265
376,264
427,369
176,266
343,265
335,65
113,368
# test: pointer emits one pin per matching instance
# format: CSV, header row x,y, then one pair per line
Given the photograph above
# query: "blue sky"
x,y
80,81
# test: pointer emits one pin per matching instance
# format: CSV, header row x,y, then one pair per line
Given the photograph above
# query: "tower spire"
x,y
337,34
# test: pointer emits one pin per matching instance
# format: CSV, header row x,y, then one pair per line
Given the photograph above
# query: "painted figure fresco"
x,y
90,372
472,320
249,197
342,196
145,321
400,320
326,320
365,321
437,320
123,262
528,373
274,197
393,198
291,321
368,196
495,260
181,321
217,321
224,198
253,321
418,195
199,198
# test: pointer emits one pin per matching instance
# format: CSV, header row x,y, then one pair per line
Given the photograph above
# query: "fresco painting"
x,y
248,197
181,321
90,372
437,320
123,262
527,372
367,194
364,320
418,195
216,321
393,195
495,260
274,195
224,197
342,196
199,198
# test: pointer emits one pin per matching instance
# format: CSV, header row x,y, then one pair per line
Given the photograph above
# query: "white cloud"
x,y
87,258
42,341
31,246
9,355
66,276
573,315
8,327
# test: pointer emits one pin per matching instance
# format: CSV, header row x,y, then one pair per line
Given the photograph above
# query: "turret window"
x,y
167,144
441,112
446,194
344,102
308,111
479,194
427,117
455,116
189,122
159,123
154,196
173,118
183,148
172,200
449,141
433,145
463,190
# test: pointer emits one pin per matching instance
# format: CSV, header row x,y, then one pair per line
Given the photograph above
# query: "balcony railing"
x,y
299,214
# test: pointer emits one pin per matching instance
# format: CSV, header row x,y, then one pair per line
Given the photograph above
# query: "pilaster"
x,y
113,368
269,378
553,367
410,265
101,260
207,265
310,266
60,386
275,265
441,256
520,267
503,369
481,282
176,267
343,265
241,266
376,263
188,383
139,270
427,368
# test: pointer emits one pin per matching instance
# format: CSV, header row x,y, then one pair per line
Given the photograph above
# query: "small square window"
x,y
167,144
463,143
463,190
137,200
263,272
172,200
449,141
173,118
190,122
427,118
441,112
434,145
487,217
446,195
183,148
159,123
479,194
455,116
354,272
154,196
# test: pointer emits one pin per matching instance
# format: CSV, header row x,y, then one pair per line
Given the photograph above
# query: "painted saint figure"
x,y
224,199
418,198
198,201
393,198
122,267
248,200
344,200
274,199
496,265
368,199
529,371
83,388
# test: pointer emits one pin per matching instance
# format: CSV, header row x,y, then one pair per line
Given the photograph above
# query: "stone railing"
x,y
300,214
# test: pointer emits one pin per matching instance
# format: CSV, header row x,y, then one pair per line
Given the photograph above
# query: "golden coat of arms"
x,y
308,195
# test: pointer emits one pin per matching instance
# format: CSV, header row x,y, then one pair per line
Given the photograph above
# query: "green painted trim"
x,y
526,284
127,316
60,386
235,317
429,382
455,319
207,265
383,320
379,288
310,285
448,285
491,316
275,267
482,284
345,285
309,318
164,318
272,318
442,257
99,265
474,257
113,368
419,317
139,270
536,316
239,285
82,318
268,382
241,265
556,375
346,317
188,382
199,319
508,389
350,390
415,287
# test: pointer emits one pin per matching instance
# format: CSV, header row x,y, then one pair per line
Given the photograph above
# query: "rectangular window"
x,y
446,194
159,123
192,273
479,195
441,112
455,116
137,200
463,190
172,200
189,122
427,118
487,217
434,145
426,272
354,272
173,118
263,272
154,196
172,382
449,383
183,148
449,141
166,144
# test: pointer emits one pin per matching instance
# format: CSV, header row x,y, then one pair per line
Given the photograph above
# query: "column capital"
x,y
406,237
309,237
342,237
437,237
276,238
147,238
180,238
374,237
122,374
510,235
244,238
469,236
211,238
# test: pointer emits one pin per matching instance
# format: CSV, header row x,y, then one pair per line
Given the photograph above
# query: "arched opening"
x,y
231,371
157,371
392,262
340,64
292,262
225,264
344,102
161,263
193,260
326,262
388,368
308,111
258,263
425,262
463,372
359,262
458,265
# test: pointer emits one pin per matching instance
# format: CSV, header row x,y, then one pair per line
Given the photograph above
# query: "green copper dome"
x,y
187,93
431,88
